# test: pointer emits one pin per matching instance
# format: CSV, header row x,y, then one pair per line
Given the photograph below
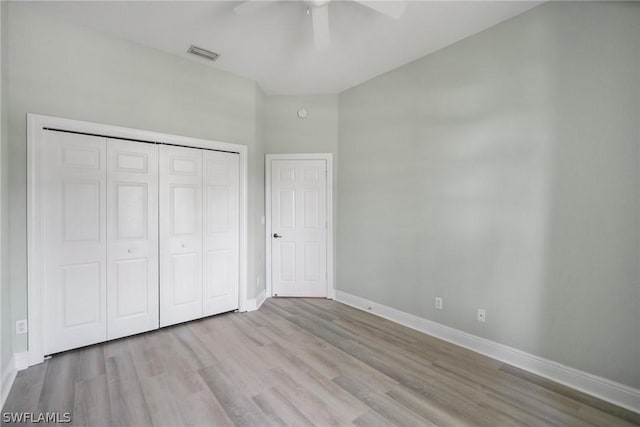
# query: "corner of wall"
x,y
257,279
7,365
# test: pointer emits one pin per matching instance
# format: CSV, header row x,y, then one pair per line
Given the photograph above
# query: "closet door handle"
x,y
277,236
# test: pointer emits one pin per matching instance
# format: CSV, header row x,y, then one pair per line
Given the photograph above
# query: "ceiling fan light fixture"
x,y
319,11
203,53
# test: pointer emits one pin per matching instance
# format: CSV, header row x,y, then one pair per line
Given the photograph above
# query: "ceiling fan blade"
x,y
392,8
252,6
320,17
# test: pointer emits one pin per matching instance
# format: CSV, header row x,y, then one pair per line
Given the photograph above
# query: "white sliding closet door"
x,y
221,231
180,234
74,234
132,238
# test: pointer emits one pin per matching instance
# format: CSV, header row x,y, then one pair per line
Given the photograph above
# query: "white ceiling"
x,y
275,46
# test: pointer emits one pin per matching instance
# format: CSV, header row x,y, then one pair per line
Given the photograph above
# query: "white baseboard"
x,y
255,303
18,362
261,299
8,377
21,360
602,388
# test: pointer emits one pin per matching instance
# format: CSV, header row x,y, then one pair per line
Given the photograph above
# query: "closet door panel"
x,y
221,231
180,234
74,237
132,238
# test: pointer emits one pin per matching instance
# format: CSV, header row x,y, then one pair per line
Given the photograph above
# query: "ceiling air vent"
x,y
195,50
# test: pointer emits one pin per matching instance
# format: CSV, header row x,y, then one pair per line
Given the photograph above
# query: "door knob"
x,y
130,250
276,236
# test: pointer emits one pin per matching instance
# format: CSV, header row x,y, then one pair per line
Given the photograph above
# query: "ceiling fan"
x,y
319,10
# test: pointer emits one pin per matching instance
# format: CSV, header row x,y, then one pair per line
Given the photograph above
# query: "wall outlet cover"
x,y
21,327
482,315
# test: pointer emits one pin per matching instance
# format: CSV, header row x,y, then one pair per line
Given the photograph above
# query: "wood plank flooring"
x,y
297,362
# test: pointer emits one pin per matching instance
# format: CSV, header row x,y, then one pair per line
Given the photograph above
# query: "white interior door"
x,y
180,234
74,231
299,228
132,238
221,231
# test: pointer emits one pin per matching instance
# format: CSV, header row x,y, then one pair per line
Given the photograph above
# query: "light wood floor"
x,y
297,362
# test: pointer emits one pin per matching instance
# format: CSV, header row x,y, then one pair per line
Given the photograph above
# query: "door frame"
x,y
328,157
36,126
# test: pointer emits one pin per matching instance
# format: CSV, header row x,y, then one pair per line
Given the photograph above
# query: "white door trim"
x,y
36,125
328,157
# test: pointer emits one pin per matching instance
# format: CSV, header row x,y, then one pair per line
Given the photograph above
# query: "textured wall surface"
x,y
6,330
502,173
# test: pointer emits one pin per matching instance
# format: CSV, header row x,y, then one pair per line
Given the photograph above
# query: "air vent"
x,y
195,50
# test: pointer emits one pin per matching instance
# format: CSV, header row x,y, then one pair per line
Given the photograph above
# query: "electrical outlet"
x,y
439,303
482,315
21,327
258,283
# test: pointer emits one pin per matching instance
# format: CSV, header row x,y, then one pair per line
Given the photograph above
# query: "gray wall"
x,y
284,132
5,288
60,69
502,173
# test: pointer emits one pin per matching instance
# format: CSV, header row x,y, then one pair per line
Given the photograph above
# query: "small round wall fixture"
x,y
302,113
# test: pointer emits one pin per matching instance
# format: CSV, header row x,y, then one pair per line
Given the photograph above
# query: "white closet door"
x,y
74,230
221,231
132,238
180,234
